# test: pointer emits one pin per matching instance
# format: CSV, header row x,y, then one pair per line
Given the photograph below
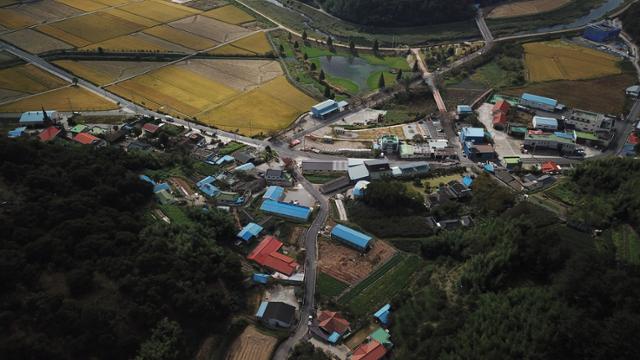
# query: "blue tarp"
x,y
489,168
250,230
17,132
383,314
260,278
160,187
245,167
274,193
467,181
296,212
147,179
224,159
351,236
262,309
334,337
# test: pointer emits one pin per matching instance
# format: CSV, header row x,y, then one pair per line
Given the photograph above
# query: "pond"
x,y
594,14
354,69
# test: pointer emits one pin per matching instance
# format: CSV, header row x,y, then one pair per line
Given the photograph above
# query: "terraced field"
x,y
71,98
252,345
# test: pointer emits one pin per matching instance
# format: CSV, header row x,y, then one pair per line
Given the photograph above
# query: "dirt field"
x,y
106,72
70,98
229,14
346,264
181,37
158,10
252,345
33,41
256,44
559,60
522,8
372,134
137,42
241,75
210,28
27,79
604,95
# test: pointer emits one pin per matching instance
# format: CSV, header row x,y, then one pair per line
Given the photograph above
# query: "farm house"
x,y
266,254
382,315
286,210
275,193
250,231
351,237
35,118
276,314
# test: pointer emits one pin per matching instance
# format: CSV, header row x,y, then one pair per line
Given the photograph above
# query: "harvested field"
x,y
113,2
15,19
34,42
142,21
64,36
604,95
106,72
347,264
252,345
84,5
96,27
138,42
559,60
26,79
210,28
8,59
523,8
229,14
181,37
241,75
270,107
256,44
71,98
27,14
158,10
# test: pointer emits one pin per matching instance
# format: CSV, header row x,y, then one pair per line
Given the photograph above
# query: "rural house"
x,y
382,315
372,350
278,177
250,231
276,314
266,254
331,327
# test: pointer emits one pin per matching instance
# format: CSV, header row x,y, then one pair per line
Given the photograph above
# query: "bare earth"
x,y
210,28
252,345
241,75
349,265
522,8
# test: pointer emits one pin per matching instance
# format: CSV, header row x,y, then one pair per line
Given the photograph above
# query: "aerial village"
x,y
293,195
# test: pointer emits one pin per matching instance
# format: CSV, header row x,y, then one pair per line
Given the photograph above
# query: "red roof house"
x,y
150,128
372,350
267,255
501,106
550,167
49,134
331,321
86,139
499,119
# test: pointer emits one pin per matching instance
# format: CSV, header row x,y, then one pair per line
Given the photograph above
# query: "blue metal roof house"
x,y
327,107
473,135
464,109
351,237
225,159
383,314
244,167
36,117
205,185
538,102
17,132
260,278
274,193
249,231
286,210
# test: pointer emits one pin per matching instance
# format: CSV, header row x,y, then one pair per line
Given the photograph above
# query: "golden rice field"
x,y
140,20
181,37
71,98
26,79
14,19
528,7
559,60
84,5
229,14
158,10
33,41
137,42
64,36
256,44
106,72
96,27
252,345
30,13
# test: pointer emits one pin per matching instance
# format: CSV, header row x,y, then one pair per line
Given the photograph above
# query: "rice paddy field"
x,y
256,44
106,72
182,37
34,42
230,14
22,80
560,60
137,42
71,98
528,7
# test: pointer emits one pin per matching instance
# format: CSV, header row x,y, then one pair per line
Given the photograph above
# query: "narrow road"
x,y
310,270
428,79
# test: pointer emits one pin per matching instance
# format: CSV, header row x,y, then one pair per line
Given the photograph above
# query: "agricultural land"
x,y
70,98
23,80
106,72
528,7
252,345
348,265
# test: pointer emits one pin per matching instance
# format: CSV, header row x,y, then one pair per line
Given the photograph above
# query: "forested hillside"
x,y
402,12
631,22
85,274
523,285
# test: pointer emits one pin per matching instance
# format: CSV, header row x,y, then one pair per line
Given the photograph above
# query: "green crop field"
x,y
564,193
329,286
175,214
627,244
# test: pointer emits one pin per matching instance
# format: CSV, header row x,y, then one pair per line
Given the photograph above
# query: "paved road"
x,y
310,243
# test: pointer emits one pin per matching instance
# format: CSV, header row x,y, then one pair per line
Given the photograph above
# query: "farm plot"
x,y
229,14
329,286
523,8
158,10
559,60
142,21
15,19
84,5
26,79
96,27
380,287
137,42
106,72
210,28
252,345
27,14
627,244
7,59
256,44
240,75
34,42
347,264
181,37
270,107
71,98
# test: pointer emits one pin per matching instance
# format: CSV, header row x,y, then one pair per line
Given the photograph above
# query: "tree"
x,y
376,47
296,45
304,35
321,76
416,67
313,66
329,42
165,342
399,75
381,83
352,47
281,50
289,36
74,81
327,92
305,57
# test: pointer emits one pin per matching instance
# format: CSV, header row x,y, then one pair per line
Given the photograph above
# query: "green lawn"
x,y
315,52
380,287
345,84
329,286
372,81
172,130
175,214
395,62
491,75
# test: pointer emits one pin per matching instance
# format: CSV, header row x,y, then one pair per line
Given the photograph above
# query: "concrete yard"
x,y
505,145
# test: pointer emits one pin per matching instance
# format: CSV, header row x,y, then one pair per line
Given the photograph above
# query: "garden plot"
x,y
522,8
106,72
96,27
252,345
210,28
34,42
229,14
181,37
138,42
241,75
347,264
71,98
159,10
24,80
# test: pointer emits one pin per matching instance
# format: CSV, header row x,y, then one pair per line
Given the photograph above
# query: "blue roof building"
x,y
290,211
351,237
467,181
464,109
383,314
538,102
274,193
262,309
473,135
245,167
17,132
359,188
206,186
225,159
545,123
147,179
250,231
327,107
36,117
601,32
160,187
260,278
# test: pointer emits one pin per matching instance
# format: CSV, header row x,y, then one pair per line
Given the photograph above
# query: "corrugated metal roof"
x,y
160,187
34,117
285,209
358,172
464,109
351,236
541,120
250,230
245,167
274,193
262,309
383,314
540,99
472,132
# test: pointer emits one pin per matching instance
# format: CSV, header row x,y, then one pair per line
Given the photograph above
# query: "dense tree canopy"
x,y
86,274
631,23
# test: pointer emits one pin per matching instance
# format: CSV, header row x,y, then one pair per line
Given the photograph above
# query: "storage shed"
x,y
351,237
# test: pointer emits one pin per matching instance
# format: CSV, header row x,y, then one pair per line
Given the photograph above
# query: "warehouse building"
x,y
286,210
473,135
323,166
39,118
328,107
351,237
550,141
601,32
545,123
273,192
538,102
589,121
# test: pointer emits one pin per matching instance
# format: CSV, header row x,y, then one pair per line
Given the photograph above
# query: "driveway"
x,y
504,144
